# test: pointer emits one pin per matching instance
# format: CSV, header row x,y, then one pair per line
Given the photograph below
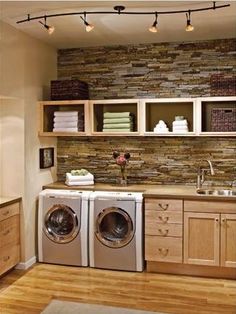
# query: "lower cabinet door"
x,y
201,238
228,240
163,249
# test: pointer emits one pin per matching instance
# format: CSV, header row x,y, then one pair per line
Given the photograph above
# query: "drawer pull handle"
x,y
164,207
6,258
6,213
163,251
6,232
163,232
163,219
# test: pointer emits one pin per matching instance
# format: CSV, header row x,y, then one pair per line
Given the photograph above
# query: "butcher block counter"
x,y
150,191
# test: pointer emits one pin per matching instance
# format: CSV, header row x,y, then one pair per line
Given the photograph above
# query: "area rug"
x,y
65,307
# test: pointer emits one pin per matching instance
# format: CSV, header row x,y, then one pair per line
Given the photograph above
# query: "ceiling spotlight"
x,y
153,28
88,27
189,27
50,29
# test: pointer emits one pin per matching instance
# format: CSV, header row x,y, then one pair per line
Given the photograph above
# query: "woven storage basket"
x,y
69,90
223,119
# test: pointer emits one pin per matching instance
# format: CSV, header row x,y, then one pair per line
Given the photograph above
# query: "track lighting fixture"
x,y
153,28
189,26
88,27
120,10
50,29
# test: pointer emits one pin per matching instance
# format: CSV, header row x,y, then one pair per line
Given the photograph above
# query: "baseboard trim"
x,y
26,264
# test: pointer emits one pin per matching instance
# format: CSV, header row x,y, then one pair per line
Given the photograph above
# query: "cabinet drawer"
x,y
163,230
10,231
9,210
163,217
9,257
161,249
210,207
163,204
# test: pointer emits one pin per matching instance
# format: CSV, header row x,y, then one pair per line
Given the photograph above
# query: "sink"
x,y
216,192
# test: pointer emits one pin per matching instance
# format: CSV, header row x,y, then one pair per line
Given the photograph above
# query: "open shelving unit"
x,y
201,114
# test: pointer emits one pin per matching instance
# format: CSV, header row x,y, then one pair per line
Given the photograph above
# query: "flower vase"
x,y
122,180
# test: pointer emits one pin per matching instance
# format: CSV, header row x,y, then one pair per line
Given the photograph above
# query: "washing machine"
x,y
116,230
63,227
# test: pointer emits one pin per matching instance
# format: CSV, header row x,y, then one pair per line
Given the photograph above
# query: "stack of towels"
x,y
79,177
68,121
118,122
180,125
161,127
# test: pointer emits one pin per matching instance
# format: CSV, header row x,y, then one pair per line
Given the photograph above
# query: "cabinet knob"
x,y
6,213
163,207
6,258
6,232
163,219
217,219
163,251
163,232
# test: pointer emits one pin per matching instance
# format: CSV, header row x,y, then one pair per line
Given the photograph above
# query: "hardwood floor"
x,y
29,292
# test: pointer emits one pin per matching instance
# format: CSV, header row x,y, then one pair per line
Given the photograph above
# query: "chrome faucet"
x,y
202,171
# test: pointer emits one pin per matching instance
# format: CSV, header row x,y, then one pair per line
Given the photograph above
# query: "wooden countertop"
x,y
7,200
162,191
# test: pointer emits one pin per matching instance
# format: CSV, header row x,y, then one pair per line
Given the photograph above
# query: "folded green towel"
x,y
117,120
116,114
118,130
118,126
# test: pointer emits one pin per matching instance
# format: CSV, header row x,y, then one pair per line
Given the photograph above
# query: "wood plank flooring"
x,y
28,292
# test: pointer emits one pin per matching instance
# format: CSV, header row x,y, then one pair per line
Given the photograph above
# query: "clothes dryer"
x,y
63,227
116,231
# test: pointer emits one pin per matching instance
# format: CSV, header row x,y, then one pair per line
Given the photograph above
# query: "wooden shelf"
x,y
146,113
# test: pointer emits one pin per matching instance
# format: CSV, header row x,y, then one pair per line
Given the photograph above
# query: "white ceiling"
x,y
123,29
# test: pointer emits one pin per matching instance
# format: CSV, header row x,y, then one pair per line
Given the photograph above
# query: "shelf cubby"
x,y
47,109
166,110
217,116
99,107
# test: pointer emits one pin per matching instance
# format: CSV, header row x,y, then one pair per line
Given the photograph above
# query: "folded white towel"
x,y
161,130
66,113
180,123
65,119
71,178
180,128
180,131
65,130
66,124
91,182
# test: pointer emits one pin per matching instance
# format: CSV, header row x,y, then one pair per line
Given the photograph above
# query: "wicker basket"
x,y
223,119
69,90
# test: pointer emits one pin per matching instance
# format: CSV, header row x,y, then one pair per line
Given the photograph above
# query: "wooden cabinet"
x,y
9,236
163,230
209,237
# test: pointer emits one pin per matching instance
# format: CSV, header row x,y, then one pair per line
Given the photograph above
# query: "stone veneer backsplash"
x,y
154,70
153,160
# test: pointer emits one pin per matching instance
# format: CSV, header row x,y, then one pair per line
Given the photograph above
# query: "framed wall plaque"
x,y
46,157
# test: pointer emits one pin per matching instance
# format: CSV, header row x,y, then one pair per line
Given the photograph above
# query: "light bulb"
x,y
189,27
153,29
89,27
50,29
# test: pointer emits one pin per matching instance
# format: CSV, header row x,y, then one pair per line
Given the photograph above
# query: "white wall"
x,y
26,68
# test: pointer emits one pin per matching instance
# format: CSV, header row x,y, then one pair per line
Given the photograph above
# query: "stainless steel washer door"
x,y
61,224
114,227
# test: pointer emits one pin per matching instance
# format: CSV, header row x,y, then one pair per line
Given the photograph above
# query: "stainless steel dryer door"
x,y
114,227
61,224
